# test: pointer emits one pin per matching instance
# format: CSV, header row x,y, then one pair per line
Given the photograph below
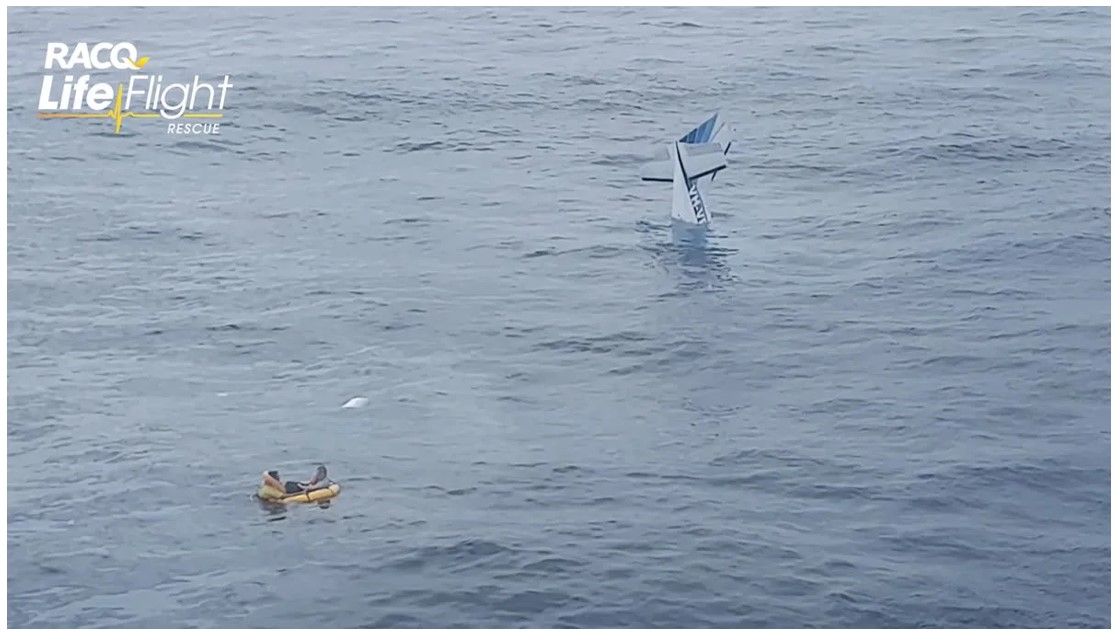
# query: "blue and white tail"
x,y
704,133
692,165
693,161
712,130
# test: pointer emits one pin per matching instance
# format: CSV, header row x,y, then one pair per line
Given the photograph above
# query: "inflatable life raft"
x,y
310,496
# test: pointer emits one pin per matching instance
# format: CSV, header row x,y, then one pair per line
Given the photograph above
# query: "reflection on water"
x,y
276,511
690,254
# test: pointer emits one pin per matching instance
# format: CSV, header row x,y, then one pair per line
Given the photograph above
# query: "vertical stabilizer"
x,y
687,200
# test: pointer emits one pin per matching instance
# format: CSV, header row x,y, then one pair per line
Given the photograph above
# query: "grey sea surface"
x,y
874,394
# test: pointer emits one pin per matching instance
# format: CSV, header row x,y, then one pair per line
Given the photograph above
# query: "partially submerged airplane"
x,y
694,161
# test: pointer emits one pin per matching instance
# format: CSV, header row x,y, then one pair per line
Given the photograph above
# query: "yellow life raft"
x,y
311,496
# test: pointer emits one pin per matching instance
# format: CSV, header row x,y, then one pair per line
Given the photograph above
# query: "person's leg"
x,y
292,486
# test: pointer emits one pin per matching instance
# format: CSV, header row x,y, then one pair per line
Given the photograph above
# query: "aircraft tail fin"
x,y
688,202
703,133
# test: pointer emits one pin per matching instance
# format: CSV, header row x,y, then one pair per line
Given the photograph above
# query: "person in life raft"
x,y
274,488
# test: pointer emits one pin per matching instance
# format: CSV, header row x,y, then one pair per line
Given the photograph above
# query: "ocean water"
x,y
875,393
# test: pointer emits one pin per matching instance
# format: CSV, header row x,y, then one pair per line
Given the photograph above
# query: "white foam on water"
x,y
355,403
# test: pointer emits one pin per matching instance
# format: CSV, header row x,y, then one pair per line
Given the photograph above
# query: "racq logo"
x,y
69,95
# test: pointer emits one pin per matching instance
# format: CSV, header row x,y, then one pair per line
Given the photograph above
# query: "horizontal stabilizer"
x,y
702,160
700,155
656,172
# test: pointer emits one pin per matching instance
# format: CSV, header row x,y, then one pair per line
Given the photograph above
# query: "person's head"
x,y
320,474
271,478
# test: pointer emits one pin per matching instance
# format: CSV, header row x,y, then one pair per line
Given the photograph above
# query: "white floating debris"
x,y
355,403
